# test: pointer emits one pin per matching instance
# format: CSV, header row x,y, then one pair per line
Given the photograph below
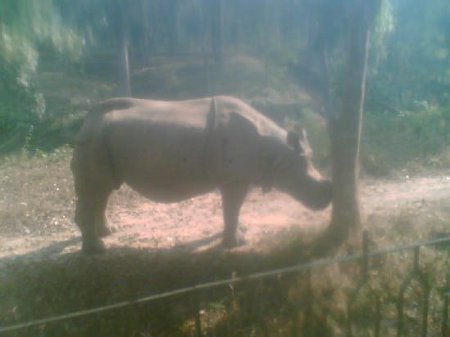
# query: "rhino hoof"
x,y
93,248
233,242
103,231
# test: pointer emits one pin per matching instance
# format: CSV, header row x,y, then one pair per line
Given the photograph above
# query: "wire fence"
x,y
374,321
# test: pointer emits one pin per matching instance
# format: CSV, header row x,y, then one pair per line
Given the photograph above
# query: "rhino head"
x,y
295,174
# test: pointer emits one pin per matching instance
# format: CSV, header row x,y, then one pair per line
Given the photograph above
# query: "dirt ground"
x,y
30,229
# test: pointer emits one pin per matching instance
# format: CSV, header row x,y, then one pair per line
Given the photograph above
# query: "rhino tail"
x,y
93,121
90,129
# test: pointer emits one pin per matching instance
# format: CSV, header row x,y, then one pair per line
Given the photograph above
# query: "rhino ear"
x,y
300,130
293,139
297,127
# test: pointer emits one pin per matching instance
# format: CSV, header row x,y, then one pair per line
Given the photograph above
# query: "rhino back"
x,y
159,147
162,147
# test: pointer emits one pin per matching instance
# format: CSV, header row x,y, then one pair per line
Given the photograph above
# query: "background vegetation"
x,y
58,57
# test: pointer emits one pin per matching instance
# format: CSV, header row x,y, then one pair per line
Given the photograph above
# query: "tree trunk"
x,y
345,126
205,42
124,67
147,32
212,47
119,20
217,31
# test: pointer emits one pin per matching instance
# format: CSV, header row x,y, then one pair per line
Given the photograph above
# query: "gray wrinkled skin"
x,y
171,151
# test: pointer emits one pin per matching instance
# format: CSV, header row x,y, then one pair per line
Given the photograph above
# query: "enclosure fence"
x,y
374,320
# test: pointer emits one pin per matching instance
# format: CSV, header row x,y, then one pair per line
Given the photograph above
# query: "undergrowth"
x,y
308,303
413,141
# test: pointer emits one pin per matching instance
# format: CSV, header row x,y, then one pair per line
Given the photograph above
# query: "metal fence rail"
x,y
415,275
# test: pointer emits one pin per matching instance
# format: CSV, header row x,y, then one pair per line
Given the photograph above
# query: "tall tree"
x,y
345,25
216,24
212,42
345,124
108,24
119,16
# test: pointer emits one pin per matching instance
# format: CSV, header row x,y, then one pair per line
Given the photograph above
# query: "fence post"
x,y
307,312
362,283
230,308
377,317
258,305
365,261
196,304
416,273
445,327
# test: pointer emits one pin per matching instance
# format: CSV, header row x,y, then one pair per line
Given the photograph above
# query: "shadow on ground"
x,y
51,251
34,288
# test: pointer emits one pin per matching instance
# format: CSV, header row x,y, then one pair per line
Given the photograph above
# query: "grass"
x,y
315,302
414,142
304,304
36,192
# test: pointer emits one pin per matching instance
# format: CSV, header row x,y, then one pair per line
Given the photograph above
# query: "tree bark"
x,y
147,32
119,20
345,125
124,67
212,48
217,31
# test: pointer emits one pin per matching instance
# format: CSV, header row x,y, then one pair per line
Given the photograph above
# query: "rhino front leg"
x,y
233,196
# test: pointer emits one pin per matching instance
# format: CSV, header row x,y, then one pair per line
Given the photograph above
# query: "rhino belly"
x,y
168,171
167,178
173,192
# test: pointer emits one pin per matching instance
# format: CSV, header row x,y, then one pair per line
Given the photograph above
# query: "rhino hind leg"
x,y
233,196
100,223
94,181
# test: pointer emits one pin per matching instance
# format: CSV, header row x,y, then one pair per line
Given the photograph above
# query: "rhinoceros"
x,y
172,151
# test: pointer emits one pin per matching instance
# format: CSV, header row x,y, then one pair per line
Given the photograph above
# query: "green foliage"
x,y
408,87
409,62
21,105
26,27
314,302
383,27
415,66
406,140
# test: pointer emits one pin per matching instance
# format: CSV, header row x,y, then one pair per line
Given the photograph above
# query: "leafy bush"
x,y
392,141
21,105
27,27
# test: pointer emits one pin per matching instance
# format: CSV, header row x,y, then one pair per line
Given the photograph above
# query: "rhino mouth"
x,y
314,194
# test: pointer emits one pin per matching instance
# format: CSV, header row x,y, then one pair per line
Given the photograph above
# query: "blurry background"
x,y
57,57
